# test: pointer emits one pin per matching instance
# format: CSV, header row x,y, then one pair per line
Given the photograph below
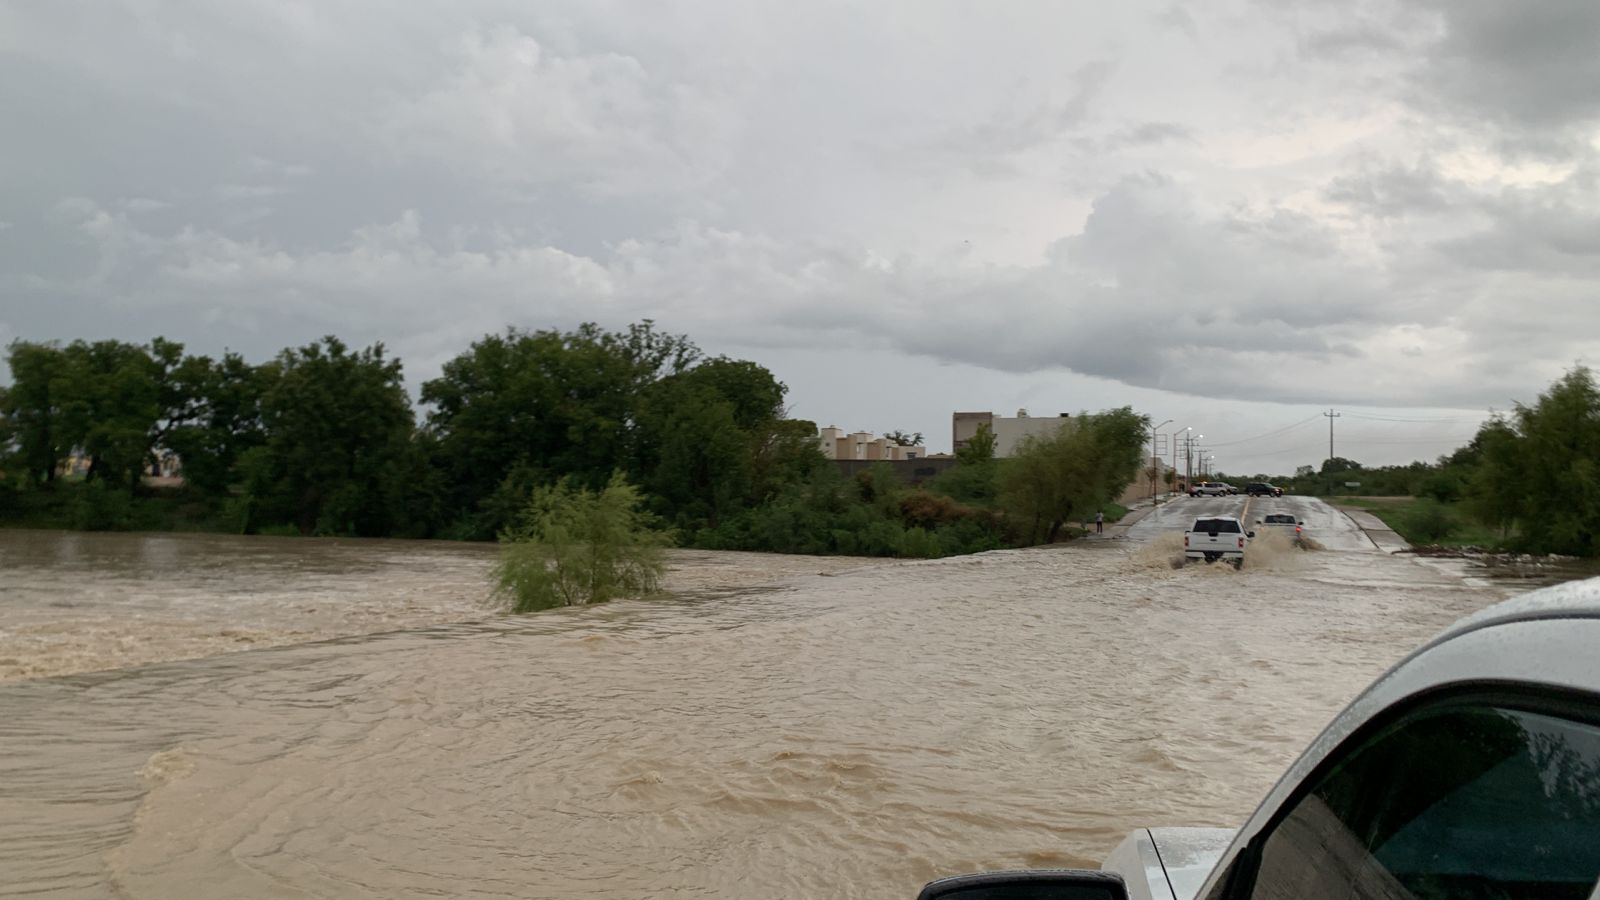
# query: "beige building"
x,y
836,444
1009,431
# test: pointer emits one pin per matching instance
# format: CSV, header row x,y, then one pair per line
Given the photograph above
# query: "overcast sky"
x,y
1235,217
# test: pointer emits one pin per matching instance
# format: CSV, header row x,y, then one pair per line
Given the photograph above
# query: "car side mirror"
x,y
1249,534
1258,521
1300,523
1031,884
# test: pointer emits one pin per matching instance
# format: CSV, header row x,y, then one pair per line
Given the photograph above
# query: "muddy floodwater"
x,y
794,735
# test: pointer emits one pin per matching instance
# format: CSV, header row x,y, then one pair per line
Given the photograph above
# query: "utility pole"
x,y
1331,416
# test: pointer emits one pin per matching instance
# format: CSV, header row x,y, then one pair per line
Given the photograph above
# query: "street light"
x,y
1175,432
1155,433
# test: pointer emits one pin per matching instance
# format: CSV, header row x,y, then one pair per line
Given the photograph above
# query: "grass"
x,y
1422,521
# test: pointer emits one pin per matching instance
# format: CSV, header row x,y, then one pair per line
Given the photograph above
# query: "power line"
x,y
1273,433
1407,419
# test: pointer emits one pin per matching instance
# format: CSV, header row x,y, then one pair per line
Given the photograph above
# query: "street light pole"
x,y
1155,433
1185,430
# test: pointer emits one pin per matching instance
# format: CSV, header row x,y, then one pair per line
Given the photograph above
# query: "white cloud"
x,y
518,112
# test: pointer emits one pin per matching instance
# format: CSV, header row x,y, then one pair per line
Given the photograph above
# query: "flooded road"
x,y
833,736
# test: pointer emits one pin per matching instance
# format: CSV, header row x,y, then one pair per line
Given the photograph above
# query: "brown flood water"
x,y
843,736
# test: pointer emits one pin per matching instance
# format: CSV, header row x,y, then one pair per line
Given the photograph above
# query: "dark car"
x,y
1262,489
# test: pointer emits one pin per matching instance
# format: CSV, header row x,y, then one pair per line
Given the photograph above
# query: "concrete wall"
x,y
910,471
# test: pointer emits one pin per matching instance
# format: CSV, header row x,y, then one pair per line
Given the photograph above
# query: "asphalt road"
x,y
1330,527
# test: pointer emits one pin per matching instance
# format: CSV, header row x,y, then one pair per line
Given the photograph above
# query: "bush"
x,y
576,547
969,483
1428,520
1445,487
98,507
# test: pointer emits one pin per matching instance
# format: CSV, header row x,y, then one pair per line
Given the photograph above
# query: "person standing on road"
x,y
1099,523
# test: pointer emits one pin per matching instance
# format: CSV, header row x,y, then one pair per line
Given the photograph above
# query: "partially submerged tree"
x,y
576,546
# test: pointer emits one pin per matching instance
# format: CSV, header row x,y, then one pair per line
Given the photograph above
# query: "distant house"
x,y
836,444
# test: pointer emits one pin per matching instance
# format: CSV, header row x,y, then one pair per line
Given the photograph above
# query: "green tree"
x,y
1336,464
336,424
703,469
979,449
576,546
1072,472
785,452
562,403
224,421
31,409
705,436
1540,469
108,403
904,439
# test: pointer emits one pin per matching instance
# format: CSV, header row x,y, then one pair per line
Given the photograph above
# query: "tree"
x,y
108,402
31,409
224,422
336,422
1339,464
902,439
1538,471
564,403
576,546
979,449
699,435
1072,472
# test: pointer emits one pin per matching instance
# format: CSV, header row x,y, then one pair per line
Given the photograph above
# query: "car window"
x,y
1224,526
1277,519
1466,801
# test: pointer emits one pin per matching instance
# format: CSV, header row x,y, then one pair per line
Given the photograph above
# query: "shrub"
x,y
575,547
98,507
1428,520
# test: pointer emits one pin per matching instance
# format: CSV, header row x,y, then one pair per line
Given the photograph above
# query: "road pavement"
x,y
1328,526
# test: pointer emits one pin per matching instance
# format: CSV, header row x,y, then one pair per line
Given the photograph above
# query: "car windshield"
x,y
1217,526
1279,519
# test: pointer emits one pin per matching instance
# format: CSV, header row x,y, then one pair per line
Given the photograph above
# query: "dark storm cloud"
x,y
1530,69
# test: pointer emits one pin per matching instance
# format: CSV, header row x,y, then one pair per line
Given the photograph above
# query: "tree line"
x,y
324,439
1531,474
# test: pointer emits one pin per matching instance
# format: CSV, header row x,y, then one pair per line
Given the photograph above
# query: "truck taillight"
x,y
1241,543
1186,540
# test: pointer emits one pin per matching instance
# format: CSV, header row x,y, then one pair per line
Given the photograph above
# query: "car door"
x,y
1476,794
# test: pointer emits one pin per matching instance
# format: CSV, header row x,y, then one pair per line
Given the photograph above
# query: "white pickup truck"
x,y
1470,770
1216,537
1285,524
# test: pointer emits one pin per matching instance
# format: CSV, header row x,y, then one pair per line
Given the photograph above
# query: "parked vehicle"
x,y
1262,489
1228,487
1208,489
1285,523
1213,538
1471,769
